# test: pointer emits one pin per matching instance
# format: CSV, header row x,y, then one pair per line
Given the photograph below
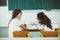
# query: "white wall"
x,y
28,15
31,15
3,15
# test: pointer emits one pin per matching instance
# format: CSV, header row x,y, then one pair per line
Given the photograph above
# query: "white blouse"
x,y
14,26
48,29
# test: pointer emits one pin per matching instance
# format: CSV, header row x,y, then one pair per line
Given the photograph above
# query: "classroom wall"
x,y
27,17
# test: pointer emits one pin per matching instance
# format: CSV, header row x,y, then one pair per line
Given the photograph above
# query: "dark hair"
x,y
14,14
45,20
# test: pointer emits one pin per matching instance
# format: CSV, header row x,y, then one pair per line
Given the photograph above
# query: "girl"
x,y
44,22
14,24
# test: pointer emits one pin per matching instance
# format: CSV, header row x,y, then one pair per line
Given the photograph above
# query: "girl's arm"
x,y
23,26
41,30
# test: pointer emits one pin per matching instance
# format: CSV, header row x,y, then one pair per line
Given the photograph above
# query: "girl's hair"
x,y
14,14
45,20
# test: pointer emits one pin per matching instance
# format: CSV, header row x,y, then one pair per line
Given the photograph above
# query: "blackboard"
x,y
33,4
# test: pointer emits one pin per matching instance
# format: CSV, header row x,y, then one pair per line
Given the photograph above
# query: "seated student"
x,y
44,22
14,23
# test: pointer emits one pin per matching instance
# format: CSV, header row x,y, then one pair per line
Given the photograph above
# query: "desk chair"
x,y
58,30
49,34
22,33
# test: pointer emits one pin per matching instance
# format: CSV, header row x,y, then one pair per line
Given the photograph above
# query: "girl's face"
x,y
19,15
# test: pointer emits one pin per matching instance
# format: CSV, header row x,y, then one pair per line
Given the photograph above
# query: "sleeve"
x,y
14,25
41,27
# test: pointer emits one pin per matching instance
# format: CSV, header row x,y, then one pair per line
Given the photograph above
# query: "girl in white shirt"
x,y
14,23
45,22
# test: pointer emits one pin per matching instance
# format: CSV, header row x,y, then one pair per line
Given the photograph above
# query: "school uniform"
x,y
14,26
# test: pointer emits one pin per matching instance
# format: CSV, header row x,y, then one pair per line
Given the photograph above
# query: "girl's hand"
x,y
23,26
41,30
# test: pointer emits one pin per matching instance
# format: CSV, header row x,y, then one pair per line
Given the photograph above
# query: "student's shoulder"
x,y
14,20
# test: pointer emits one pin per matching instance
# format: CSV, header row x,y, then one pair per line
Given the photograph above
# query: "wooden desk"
x,y
33,30
57,29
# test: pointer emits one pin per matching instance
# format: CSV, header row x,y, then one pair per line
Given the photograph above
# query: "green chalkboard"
x,y
33,4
